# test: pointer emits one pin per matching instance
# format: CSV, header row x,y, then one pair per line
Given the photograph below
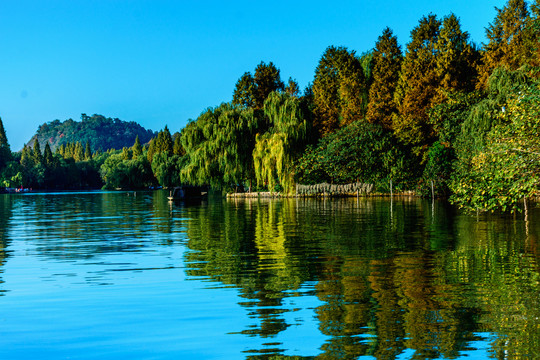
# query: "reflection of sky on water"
x,y
118,276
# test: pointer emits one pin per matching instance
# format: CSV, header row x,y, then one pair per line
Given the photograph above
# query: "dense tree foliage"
x,y
277,149
502,166
359,152
252,90
339,90
219,146
513,40
417,84
100,132
387,59
5,152
444,118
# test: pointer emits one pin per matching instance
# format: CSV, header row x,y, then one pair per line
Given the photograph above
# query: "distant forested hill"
x,y
101,132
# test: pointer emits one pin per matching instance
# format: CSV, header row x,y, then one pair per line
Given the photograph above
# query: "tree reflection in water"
x,y
390,276
5,218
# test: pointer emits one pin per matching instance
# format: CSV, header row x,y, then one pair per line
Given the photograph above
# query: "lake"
x,y
123,275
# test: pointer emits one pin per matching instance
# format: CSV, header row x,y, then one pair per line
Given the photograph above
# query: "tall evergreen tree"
x,y
126,155
456,59
36,153
27,158
507,40
417,85
178,149
48,157
88,151
151,150
61,150
292,88
78,154
5,152
268,80
252,90
137,148
167,141
244,91
387,59
338,90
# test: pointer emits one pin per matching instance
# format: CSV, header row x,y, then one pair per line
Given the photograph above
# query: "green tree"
x,y
219,146
387,59
244,91
88,151
491,169
126,154
48,157
126,174
5,152
137,149
276,150
166,169
36,153
251,91
437,170
361,151
164,141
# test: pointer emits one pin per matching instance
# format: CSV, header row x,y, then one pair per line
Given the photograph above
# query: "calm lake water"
x,y
117,276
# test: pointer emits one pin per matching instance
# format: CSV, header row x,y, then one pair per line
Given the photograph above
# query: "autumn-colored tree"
x,y
292,88
126,154
178,149
151,150
417,85
456,59
79,154
509,40
338,90
387,59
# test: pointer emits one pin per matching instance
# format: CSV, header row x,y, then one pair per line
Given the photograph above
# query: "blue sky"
x,y
162,62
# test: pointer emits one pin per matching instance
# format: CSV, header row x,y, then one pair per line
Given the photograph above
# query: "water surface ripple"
x,y
125,275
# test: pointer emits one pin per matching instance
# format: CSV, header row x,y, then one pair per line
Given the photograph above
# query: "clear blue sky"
x,y
162,62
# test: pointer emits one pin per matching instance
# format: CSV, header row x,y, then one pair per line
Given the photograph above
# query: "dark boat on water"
x,y
188,193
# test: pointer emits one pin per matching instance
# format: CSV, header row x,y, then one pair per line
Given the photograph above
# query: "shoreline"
x,y
276,195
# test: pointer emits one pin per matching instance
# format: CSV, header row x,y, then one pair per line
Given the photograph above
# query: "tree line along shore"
x,y
441,116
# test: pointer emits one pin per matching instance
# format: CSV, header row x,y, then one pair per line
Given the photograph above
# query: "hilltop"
x,y
101,132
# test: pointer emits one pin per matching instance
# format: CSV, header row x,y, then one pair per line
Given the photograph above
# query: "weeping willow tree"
x,y
219,146
502,85
276,150
488,171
